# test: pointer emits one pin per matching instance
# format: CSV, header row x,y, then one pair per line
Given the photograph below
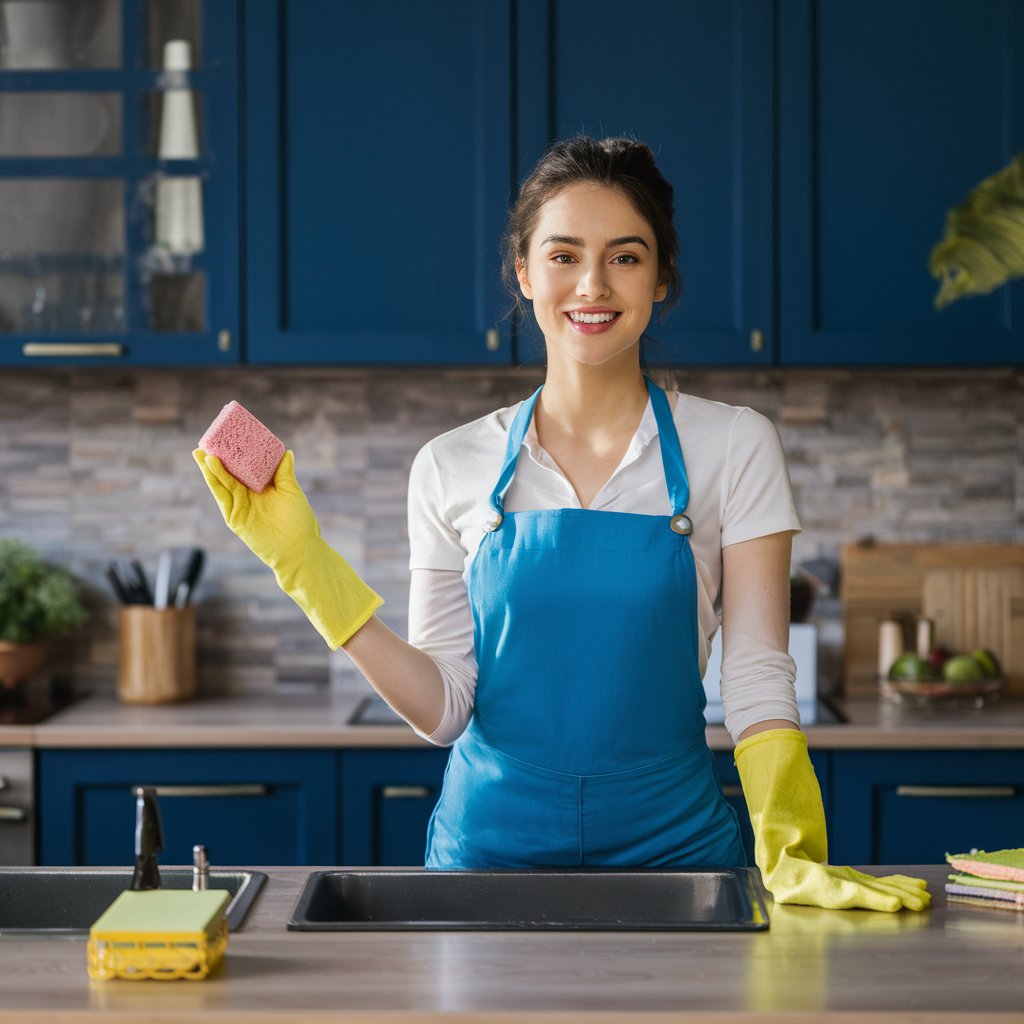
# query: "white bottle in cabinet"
x,y
179,200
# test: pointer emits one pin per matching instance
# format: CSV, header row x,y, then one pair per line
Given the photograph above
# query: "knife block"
x,y
158,654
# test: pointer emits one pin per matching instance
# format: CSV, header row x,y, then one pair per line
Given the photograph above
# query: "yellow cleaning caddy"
x,y
162,934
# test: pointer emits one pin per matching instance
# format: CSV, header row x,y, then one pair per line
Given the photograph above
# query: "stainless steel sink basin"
x,y
66,901
546,900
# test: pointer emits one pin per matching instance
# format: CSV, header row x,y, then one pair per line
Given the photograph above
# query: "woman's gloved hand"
x,y
790,845
280,528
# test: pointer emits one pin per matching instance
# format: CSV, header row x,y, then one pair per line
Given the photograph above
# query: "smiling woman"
x,y
571,558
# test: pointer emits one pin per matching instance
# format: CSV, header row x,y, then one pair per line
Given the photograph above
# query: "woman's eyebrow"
x,y
610,244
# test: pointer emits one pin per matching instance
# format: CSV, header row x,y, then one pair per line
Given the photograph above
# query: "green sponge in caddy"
x,y
162,934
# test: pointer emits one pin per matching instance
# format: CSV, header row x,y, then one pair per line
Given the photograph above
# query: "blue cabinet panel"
x,y
387,799
912,807
693,81
248,807
379,166
889,113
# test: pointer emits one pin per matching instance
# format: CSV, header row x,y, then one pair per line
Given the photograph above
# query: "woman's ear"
x,y
662,290
524,281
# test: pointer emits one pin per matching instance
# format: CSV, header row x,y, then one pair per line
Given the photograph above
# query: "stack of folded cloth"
x,y
987,879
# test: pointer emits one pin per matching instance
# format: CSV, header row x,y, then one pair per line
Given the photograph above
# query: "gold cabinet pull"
x,y
13,814
232,789
756,340
956,791
72,348
492,339
404,792
732,791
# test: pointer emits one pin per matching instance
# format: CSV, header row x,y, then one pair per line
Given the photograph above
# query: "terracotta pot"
x,y
20,662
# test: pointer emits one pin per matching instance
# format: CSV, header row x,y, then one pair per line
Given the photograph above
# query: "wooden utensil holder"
x,y
158,655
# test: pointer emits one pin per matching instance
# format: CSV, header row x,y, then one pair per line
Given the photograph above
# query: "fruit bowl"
x,y
975,692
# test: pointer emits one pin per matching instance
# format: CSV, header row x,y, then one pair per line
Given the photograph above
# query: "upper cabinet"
x,y
693,81
379,169
118,182
890,112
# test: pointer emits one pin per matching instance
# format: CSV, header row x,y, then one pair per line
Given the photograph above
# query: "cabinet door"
x,y
249,807
914,807
890,113
378,157
694,81
118,231
387,799
730,779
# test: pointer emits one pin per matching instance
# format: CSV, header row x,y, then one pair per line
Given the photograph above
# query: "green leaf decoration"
x,y
983,244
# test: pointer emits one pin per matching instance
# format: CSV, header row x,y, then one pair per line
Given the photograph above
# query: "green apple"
x,y
963,668
909,668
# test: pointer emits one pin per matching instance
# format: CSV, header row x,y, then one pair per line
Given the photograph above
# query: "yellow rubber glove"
x,y
280,528
790,845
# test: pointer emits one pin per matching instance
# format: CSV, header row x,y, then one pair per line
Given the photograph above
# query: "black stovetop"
x,y
35,701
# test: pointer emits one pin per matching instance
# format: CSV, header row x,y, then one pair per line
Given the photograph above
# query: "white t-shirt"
x,y
739,490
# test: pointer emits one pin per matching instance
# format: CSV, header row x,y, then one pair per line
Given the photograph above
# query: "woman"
x,y
570,558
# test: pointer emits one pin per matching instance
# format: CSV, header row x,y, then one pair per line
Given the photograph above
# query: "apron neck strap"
x,y
671,452
516,436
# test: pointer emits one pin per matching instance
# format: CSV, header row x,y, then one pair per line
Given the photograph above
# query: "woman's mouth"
x,y
592,323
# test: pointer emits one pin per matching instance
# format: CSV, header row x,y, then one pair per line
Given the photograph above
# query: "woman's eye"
x,y
625,259
562,258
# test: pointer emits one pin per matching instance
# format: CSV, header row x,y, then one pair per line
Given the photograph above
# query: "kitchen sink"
x,y
601,899
66,901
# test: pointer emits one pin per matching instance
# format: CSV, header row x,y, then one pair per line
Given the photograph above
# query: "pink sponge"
x,y
246,448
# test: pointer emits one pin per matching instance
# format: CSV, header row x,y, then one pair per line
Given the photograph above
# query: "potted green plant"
x,y
37,600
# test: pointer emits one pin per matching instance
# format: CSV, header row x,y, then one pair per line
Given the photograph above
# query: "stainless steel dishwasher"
x,y
17,811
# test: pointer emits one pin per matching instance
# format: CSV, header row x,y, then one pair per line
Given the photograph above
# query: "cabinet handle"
x,y
404,792
71,348
224,340
13,814
756,340
732,791
492,339
956,791
240,789
4,782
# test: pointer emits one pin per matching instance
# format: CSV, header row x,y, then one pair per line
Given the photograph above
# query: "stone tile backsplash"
x,y
97,464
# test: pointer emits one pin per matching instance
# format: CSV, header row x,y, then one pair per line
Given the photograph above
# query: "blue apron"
x,y
587,742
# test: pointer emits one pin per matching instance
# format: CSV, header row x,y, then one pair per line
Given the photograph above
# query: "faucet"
x,y
149,839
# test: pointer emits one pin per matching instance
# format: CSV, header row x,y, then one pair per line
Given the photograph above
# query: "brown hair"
x,y
622,164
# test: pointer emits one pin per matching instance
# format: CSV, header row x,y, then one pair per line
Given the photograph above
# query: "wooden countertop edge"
x,y
341,1016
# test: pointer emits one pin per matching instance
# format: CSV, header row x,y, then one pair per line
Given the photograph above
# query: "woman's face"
x,y
591,272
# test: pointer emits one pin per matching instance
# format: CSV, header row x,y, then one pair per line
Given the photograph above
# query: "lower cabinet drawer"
x,y
246,806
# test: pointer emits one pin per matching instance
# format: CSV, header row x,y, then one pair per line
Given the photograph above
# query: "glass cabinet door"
x,y
118,182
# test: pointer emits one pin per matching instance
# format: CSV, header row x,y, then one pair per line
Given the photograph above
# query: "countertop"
x,y
948,964
303,719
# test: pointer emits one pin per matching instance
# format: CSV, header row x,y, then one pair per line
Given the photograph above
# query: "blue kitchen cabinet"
x,y
248,807
890,112
730,779
378,170
914,806
83,278
695,82
387,799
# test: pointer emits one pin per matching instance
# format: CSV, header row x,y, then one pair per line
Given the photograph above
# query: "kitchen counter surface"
x,y
303,719
856,967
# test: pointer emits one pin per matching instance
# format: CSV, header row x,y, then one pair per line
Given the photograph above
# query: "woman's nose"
x,y
592,282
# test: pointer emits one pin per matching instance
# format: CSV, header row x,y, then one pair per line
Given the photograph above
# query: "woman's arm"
x,y
441,630
755,622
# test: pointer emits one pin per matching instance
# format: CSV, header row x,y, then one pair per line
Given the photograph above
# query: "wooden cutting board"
x,y
974,592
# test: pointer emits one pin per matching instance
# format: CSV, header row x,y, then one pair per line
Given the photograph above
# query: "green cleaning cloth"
x,y
1003,865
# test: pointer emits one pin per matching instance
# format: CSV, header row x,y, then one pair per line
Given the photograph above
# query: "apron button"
x,y
681,524
493,523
